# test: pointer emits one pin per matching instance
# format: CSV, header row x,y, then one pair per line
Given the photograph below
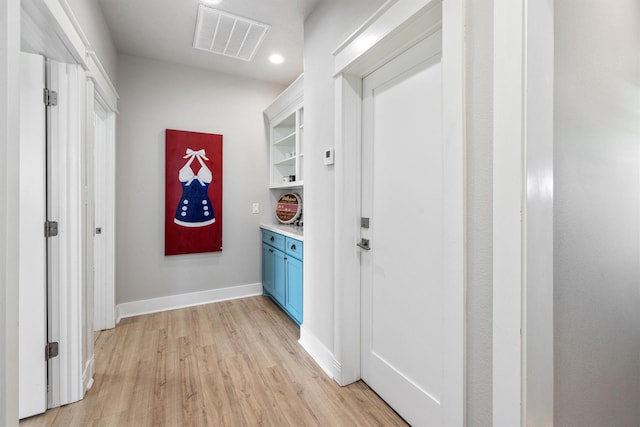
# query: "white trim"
x,y
348,119
508,110
523,214
455,223
403,24
110,221
365,25
320,354
287,100
88,214
103,84
33,292
50,32
74,22
538,318
173,302
397,24
9,198
87,374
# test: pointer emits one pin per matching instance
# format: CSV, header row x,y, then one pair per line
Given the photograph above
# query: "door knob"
x,y
364,244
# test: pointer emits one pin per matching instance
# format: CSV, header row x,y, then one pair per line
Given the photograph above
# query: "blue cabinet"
x,y
282,272
293,300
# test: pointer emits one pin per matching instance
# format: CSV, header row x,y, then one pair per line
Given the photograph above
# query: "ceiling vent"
x,y
226,34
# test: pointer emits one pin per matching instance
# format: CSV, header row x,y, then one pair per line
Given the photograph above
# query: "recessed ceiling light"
x,y
276,59
210,2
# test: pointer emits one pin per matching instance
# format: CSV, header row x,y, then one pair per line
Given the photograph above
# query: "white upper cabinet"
x,y
286,137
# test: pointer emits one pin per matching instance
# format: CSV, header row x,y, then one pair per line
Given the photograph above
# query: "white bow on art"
x,y
186,174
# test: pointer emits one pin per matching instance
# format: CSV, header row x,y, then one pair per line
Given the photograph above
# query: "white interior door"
x,y
403,191
32,290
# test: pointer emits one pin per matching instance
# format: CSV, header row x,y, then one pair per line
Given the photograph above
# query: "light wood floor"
x,y
234,363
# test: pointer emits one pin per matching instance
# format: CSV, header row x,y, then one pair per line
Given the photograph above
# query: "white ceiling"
x,y
164,29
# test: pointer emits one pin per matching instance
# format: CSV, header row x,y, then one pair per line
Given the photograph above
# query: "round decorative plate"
x,y
288,208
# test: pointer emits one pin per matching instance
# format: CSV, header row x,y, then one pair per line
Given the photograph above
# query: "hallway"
x,y
226,364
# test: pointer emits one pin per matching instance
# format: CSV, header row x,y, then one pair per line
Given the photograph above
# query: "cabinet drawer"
x,y
274,239
294,248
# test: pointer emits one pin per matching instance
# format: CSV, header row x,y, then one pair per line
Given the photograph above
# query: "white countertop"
x,y
292,231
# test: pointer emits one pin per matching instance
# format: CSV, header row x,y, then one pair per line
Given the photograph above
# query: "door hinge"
x,y
50,97
50,350
50,228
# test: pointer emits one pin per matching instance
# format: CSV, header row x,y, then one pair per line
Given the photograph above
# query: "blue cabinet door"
x,y
279,278
267,269
293,303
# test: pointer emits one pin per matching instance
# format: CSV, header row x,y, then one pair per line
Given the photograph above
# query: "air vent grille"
x,y
226,34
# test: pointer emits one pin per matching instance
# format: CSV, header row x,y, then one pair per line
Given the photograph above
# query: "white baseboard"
x,y
173,302
321,354
87,375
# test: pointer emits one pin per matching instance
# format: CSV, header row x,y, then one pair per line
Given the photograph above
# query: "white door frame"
x,y
101,93
104,292
9,199
397,25
523,213
33,275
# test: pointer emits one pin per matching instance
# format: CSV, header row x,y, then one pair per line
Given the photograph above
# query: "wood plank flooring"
x,y
233,363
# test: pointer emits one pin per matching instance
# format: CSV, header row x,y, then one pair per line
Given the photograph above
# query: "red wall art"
x,y
193,193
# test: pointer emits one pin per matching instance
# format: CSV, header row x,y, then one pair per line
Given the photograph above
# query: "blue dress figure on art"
x,y
195,208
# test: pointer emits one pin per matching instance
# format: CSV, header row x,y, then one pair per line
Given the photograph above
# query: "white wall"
x,y
9,199
329,25
597,213
155,96
94,26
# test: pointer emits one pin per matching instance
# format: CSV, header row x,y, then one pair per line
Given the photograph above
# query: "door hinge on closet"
x,y
50,350
50,97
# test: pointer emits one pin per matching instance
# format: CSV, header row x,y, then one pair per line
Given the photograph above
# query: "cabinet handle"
x,y
293,247
272,238
270,250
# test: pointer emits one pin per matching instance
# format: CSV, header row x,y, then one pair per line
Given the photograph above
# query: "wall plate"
x,y
328,156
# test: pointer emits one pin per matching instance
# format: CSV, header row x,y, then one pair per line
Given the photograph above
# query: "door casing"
x,y
101,181
33,290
